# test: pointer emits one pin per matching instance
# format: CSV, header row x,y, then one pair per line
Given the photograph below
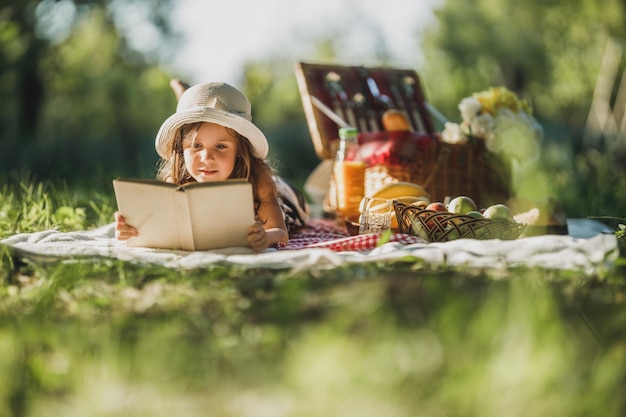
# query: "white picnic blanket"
x,y
589,247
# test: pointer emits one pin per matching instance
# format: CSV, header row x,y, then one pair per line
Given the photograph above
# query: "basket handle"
x,y
328,112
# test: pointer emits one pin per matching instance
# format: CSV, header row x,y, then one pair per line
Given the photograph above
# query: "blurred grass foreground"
x,y
102,337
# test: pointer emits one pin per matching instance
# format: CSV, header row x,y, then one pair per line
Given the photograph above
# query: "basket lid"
x,y
336,96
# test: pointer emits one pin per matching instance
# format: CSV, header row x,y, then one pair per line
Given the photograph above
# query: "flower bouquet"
x,y
499,118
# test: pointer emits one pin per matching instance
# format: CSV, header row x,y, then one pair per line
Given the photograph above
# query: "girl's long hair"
x,y
247,165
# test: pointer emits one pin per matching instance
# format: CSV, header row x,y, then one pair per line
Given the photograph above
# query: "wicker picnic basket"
x,y
358,96
437,226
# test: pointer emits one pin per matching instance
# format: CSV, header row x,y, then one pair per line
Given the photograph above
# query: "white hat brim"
x,y
165,138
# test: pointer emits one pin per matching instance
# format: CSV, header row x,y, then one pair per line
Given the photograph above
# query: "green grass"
x,y
27,205
102,337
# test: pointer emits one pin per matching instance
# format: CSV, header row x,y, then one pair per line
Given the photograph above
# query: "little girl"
x,y
211,138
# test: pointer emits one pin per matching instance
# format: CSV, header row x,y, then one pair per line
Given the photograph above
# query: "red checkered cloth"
x,y
323,233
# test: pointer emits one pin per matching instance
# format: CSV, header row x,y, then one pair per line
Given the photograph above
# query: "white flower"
x,y
469,108
453,133
513,136
481,125
500,119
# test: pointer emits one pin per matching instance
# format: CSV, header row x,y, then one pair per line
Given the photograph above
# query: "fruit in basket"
x,y
395,120
434,206
475,214
437,206
451,233
461,205
410,201
398,189
498,211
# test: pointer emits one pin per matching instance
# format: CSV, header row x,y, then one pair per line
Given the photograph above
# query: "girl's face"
x,y
210,155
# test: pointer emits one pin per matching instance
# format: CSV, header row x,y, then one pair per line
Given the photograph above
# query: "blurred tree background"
x,y
551,54
79,102
82,103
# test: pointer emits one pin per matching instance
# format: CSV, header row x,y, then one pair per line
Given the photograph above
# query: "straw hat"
x,y
215,102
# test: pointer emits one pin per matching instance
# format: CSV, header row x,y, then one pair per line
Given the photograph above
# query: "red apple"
x,y
436,206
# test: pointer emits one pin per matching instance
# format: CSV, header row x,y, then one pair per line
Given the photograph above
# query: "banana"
x,y
400,189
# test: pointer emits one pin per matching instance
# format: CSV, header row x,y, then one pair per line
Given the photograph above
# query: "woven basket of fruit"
x,y
443,226
398,138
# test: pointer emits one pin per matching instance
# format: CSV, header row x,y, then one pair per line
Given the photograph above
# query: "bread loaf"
x,y
395,120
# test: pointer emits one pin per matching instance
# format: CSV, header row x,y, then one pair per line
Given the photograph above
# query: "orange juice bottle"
x,y
349,174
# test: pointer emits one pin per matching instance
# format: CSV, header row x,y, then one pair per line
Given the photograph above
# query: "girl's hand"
x,y
257,237
123,231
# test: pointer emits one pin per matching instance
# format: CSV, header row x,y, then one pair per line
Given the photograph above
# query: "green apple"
x,y
451,233
498,211
475,214
418,229
461,205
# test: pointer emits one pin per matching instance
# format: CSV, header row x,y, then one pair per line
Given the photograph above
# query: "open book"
x,y
195,216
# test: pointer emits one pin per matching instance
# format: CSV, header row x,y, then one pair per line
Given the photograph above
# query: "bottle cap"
x,y
348,132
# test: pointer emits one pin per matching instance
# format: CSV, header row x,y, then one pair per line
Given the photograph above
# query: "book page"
x,y
151,208
198,216
221,218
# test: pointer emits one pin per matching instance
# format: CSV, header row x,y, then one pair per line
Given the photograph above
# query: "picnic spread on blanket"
x,y
448,195
373,129
323,244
